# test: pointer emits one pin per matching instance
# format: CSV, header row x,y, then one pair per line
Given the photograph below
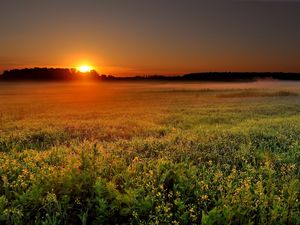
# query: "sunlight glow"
x,y
84,69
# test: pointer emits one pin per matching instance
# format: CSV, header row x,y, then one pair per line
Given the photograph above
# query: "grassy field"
x,y
150,153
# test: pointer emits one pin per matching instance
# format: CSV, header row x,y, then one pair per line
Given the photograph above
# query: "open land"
x,y
150,153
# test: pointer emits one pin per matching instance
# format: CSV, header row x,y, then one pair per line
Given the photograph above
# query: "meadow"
x,y
150,153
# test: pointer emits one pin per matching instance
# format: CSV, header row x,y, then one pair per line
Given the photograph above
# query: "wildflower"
x,y
247,183
220,188
135,214
31,176
13,212
170,195
77,201
136,159
25,171
204,197
4,179
166,209
50,198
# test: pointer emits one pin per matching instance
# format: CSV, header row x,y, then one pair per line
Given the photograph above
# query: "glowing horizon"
x,y
84,68
139,37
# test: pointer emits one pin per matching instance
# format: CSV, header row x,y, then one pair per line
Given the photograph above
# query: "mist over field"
x,y
149,153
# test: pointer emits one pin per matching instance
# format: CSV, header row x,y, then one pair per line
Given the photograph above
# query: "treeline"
x,y
48,74
242,76
59,74
213,76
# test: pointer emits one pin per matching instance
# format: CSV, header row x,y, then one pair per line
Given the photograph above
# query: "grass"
x,y
257,94
159,153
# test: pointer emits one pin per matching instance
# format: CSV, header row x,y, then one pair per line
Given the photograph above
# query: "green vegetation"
x,y
121,153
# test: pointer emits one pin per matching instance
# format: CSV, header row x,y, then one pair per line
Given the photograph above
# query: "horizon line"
x,y
153,74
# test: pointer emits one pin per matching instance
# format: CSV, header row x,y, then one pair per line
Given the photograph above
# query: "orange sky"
x,y
151,37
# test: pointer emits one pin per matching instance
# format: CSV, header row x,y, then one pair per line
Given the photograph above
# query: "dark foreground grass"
x,y
149,154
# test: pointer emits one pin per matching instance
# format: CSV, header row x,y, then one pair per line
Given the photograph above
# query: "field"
x,y
150,153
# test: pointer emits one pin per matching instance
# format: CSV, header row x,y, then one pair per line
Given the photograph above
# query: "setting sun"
x,y
84,69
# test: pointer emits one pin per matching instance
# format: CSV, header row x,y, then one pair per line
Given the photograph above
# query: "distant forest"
x,y
59,74
47,74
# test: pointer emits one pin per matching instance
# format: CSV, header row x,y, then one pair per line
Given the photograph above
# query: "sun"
x,y
84,69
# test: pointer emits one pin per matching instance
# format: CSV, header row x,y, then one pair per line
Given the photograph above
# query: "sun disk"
x,y
84,69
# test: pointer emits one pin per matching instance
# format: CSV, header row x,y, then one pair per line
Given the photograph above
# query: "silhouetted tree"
x,y
48,74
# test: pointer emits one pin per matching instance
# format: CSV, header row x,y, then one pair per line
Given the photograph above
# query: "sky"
x,y
138,37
